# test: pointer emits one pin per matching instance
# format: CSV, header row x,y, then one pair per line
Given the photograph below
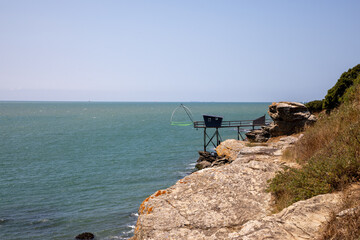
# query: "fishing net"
x,y
181,116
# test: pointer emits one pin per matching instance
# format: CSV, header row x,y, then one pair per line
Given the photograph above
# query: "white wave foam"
x,y
131,226
115,237
134,215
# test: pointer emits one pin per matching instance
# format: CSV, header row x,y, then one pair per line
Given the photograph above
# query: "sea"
x,y
73,167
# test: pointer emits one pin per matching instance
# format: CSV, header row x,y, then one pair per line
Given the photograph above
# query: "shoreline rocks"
x,y
225,153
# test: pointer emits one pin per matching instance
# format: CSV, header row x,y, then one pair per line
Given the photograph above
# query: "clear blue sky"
x,y
223,50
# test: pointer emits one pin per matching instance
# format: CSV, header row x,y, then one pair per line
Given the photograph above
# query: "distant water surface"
x,y
67,168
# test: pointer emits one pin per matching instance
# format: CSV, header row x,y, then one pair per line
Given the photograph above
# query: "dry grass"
x,y
322,134
329,153
345,226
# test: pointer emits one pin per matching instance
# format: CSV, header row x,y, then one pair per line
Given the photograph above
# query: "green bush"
x,y
335,94
315,106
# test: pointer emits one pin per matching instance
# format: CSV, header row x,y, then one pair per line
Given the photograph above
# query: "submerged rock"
x,y
85,236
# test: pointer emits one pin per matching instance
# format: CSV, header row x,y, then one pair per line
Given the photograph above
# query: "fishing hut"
x,y
216,122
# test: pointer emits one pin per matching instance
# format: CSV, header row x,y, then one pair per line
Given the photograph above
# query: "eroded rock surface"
x,y
288,118
230,202
207,204
302,220
230,149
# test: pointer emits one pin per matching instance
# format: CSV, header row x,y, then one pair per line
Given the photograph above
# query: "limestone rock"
x,y
258,135
230,149
208,204
208,159
230,202
206,156
302,220
289,118
288,111
203,164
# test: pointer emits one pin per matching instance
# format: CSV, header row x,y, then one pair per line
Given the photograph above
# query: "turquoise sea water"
x,y
67,168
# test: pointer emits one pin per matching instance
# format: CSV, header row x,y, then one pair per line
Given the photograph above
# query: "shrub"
x,y
315,106
335,94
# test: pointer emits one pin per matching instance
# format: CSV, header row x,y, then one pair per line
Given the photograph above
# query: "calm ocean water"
x,y
67,168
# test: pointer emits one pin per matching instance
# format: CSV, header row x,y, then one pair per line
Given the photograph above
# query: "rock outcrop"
x,y
230,202
225,153
207,159
258,135
288,118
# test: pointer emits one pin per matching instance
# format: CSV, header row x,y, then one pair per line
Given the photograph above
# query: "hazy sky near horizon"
x,y
228,51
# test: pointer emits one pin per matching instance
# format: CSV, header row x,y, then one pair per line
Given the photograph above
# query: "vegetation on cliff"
x,y
336,95
315,106
329,152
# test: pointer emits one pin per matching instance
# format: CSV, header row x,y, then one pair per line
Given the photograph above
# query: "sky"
x,y
175,51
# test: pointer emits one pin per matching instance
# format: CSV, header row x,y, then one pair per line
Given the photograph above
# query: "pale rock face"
x,y
230,202
302,220
289,118
288,111
230,149
208,204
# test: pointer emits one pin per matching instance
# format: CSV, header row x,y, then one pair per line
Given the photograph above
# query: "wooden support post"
x,y
217,137
204,139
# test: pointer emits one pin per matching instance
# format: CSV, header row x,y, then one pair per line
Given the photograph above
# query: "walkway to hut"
x,y
216,122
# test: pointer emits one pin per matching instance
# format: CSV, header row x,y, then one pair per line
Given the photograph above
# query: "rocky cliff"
x,y
230,201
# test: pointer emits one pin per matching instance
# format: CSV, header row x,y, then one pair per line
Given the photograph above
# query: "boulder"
x,y
288,111
288,118
206,156
258,135
203,164
207,159
230,149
